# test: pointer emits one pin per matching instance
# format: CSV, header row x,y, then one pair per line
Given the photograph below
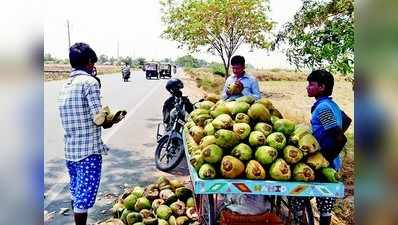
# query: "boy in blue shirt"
x,y
328,124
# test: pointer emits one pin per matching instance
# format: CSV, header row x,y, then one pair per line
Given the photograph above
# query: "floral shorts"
x,y
84,181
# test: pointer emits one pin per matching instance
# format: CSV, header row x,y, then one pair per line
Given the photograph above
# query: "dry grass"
x,y
283,75
206,81
61,71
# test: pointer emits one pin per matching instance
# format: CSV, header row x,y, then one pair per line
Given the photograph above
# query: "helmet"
x,y
174,85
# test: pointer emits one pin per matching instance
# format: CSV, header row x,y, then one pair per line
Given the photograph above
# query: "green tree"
x,y
166,60
49,58
220,26
321,35
187,61
128,60
112,60
141,61
102,59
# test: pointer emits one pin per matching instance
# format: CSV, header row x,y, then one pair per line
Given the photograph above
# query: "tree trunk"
x,y
226,68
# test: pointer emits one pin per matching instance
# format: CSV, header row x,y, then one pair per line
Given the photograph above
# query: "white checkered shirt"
x,y
78,102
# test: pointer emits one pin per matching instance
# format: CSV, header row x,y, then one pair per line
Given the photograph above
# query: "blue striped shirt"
x,y
326,114
78,102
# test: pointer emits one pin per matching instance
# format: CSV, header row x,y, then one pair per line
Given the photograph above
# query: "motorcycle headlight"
x,y
173,114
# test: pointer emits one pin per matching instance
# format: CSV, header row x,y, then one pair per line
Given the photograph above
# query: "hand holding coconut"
x,y
106,118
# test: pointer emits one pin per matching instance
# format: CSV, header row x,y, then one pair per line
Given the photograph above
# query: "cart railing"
x,y
262,187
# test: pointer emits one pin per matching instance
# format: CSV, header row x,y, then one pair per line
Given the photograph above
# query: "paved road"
x,y
132,143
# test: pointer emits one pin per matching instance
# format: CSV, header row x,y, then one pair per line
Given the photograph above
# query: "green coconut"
x,y
242,151
163,212
331,174
280,170
212,153
303,172
206,141
162,222
238,107
226,139
183,193
178,208
156,203
276,140
231,167
317,161
265,102
190,202
248,99
258,112
118,209
223,121
123,217
308,144
142,203
242,118
198,112
265,128
274,112
255,171
256,138
197,133
299,131
207,171
182,220
200,119
205,105
233,88
209,129
242,130
219,109
266,155
197,161
133,217
138,191
212,97
285,126
292,155
130,201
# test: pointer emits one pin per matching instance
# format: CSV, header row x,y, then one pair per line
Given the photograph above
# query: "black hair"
x,y
81,54
238,60
323,77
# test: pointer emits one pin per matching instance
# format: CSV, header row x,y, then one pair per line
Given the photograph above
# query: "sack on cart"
x,y
247,204
228,217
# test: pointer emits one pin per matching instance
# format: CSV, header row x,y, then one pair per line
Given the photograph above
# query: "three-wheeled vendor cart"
x,y
207,191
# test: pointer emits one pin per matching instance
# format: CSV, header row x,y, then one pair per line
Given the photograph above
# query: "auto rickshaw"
x,y
165,70
151,70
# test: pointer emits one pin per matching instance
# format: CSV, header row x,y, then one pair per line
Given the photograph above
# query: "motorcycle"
x,y
126,73
170,150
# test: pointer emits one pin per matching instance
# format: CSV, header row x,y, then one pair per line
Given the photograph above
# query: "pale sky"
x,y
137,26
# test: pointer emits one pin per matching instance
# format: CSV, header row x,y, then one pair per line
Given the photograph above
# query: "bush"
x,y
217,68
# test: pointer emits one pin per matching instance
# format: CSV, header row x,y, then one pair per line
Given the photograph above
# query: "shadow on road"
x,y
54,170
121,169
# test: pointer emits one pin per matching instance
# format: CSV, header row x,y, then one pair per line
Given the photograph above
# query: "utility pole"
x,y
118,50
67,24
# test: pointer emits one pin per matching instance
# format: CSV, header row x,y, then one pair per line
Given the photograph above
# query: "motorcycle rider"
x,y
174,86
126,72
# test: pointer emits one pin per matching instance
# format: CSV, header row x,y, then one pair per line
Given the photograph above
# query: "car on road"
x,y
151,70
